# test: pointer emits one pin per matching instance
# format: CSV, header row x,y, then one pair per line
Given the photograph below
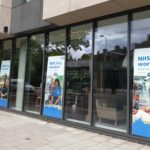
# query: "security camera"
x,y
5,29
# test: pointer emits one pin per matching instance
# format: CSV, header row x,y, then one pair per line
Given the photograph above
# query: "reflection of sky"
x,y
114,35
54,47
38,39
77,54
113,28
141,30
119,39
140,36
141,24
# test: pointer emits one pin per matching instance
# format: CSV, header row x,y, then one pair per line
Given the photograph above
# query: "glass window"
x,y
7,49
18,74
140,36
5,72
110,74
27,1
1,53
33,82
140,73
79,68
55,73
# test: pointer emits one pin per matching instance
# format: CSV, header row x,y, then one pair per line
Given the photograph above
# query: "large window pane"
x,y
7,49
33,82
140,74
110,74
54,87
1,53
18,74
5,72
79,67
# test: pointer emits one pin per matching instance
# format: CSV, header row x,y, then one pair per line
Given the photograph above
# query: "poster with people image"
x,y
141,93
4,82
54,87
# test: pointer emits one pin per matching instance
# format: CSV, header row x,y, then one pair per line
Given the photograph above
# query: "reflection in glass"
x,y
140,35
5,73
140,38
33,82
1,54
7,48
56,46
110,74
18,74
79,67
140,80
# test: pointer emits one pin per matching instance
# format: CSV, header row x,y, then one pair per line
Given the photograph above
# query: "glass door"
x,y
33,80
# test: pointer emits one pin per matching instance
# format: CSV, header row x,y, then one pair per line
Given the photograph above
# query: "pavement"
x,y
19,132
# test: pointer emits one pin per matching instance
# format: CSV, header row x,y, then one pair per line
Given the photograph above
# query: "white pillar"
x,y
21,73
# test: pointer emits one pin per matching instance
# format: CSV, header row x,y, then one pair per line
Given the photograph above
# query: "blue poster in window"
x,y
54,87
4,83
141,93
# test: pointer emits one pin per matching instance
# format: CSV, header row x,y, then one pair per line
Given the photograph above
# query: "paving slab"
x,y
19,132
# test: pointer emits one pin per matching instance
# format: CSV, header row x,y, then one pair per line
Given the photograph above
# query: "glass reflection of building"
x,y
78,86
99,82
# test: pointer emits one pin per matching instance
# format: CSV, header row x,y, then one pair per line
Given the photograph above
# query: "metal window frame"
x,y
129,135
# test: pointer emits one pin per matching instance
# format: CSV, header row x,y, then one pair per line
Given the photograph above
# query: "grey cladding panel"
x,y
16,3
16,19
30,16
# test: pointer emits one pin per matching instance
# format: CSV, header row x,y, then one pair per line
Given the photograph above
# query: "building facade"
x,y
84,63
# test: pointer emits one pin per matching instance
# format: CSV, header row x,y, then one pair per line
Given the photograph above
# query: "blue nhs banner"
x,y
4,82
141,93
141,62
54,87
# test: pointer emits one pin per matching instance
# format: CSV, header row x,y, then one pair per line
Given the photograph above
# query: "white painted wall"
x,y
62,12
5,14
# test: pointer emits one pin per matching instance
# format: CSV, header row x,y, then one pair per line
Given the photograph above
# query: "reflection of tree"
x,y
36,60
56,44
55,49
14,64
78,72
76,43
78,78
7,47
80,42
85,57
